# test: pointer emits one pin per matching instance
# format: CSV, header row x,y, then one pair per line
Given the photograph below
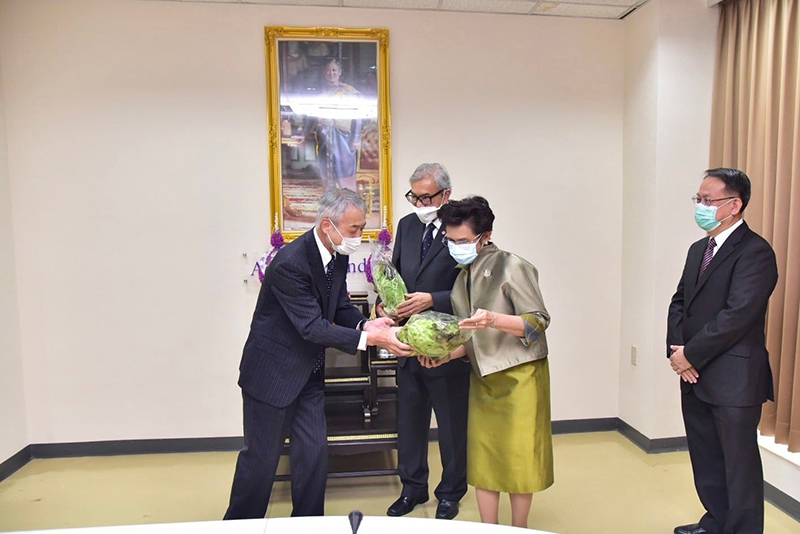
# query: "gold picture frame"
x,y
316,117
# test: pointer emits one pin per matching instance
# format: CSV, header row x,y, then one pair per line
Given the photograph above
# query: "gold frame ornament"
x,y
303,157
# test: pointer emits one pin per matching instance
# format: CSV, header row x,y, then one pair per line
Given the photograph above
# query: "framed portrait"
x,y
329,122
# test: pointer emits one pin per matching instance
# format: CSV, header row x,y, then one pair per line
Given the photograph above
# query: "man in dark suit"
x,y
429,273
715,340
302,308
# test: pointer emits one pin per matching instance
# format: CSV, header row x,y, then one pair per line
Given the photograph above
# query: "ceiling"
x,y
597,9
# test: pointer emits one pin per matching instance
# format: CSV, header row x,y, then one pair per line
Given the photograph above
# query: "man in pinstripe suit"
x,y
302,308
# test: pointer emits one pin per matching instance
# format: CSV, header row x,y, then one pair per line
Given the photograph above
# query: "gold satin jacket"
x,y
501,282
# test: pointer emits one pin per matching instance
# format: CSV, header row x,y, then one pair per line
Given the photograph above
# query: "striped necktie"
x,y
708,255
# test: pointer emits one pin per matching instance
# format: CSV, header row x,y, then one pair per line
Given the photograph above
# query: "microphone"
x,y
355,518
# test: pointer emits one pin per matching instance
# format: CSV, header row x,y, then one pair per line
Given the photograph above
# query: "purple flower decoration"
x,y
368,270
277,240
384,237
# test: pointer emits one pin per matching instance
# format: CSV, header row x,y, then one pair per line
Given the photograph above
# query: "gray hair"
x,y
434,170
334,203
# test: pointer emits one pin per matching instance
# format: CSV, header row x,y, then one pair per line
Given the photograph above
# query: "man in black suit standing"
x,y
302,308
429,273
715,342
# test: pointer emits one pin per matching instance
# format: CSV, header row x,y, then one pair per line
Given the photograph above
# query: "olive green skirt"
x,y
509,439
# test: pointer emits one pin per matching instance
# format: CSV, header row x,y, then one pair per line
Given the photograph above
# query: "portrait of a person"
x,y
329,130
337,129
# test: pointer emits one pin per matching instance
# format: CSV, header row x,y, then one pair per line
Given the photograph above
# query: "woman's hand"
x,y
482,319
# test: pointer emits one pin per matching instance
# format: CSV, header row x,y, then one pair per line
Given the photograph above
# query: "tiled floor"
x,y
604,484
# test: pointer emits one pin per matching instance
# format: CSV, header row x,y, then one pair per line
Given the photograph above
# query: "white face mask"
x,y
349,244
464,253
427,214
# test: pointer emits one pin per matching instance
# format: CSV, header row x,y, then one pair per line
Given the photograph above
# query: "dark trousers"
x,y
265,429
726,464
418,391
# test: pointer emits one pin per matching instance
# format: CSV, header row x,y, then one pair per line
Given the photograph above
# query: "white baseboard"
x,y
781,467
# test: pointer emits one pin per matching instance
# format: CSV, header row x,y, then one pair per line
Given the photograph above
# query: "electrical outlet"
x,y
633,354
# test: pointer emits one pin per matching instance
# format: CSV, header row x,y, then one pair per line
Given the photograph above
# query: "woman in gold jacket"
x,y
509,440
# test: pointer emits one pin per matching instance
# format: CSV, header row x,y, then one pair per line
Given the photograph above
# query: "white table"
x,y
306,525
384,525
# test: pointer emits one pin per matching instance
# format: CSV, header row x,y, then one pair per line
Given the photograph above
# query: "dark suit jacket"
x,y
720,316
436,275
293,320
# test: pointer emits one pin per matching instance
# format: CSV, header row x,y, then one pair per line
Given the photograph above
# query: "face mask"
x,y
706,216
464,253
427,214
349,244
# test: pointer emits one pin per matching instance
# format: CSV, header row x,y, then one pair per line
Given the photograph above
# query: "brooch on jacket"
x,y
487,273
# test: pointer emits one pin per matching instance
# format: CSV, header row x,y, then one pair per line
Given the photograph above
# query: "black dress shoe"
x,y
447,509
404,505
691,529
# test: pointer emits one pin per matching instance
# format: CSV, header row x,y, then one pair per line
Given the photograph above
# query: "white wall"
x,y
639,253
13,426
687,54
137,142
670,48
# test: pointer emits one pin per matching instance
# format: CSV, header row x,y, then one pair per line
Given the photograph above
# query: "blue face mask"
x,y
706,216
463,253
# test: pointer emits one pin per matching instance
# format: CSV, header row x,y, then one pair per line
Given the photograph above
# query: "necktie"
x,y
329,275
427,241
708,255
328,283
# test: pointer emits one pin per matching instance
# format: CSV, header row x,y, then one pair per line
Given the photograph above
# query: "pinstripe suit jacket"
x,y
293,320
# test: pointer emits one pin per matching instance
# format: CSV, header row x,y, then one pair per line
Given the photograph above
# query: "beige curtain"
x,y
756,128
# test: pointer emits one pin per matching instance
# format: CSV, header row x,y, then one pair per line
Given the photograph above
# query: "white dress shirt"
x,y
720,239
326,256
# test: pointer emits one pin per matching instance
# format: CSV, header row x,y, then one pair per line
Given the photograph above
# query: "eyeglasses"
x,y
425,199
447,241
708,201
